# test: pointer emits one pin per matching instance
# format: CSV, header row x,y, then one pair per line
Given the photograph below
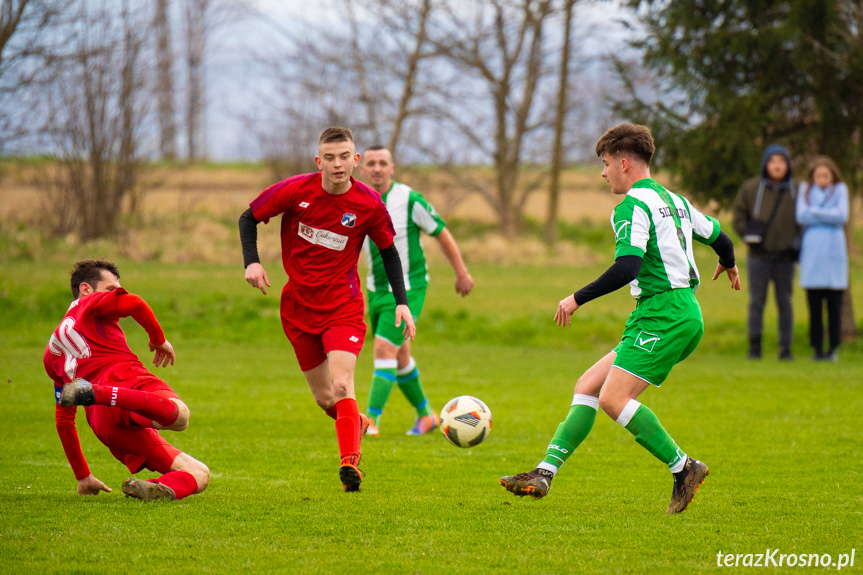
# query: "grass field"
x,y
780,439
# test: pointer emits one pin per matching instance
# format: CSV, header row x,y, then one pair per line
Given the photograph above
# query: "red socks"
x,y
332,412
348,426
148,405
181,482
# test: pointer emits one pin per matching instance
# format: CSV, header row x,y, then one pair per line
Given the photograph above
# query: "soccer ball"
x,y
465,421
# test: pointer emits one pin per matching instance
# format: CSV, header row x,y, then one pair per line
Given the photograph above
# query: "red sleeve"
x,y
130,305
65,420
276,199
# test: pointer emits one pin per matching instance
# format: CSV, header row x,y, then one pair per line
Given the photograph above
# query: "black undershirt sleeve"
x,y
249,238
393,268
724,248
622,271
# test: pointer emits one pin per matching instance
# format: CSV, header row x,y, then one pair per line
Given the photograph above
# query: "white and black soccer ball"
x,y
465,421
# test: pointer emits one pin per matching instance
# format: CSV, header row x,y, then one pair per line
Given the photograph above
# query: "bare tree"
x,y
96,111
501,47
165,82
559,126
196,14
27,28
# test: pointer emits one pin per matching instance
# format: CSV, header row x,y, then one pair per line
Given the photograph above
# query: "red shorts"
x,y
134,446
313,334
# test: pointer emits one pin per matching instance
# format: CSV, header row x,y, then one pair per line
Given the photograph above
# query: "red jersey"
x,y
322,235
89,343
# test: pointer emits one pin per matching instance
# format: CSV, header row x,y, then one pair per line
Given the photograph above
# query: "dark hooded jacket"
x,y
756,199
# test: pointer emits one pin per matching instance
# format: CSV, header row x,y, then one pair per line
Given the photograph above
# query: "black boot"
x,y
754,348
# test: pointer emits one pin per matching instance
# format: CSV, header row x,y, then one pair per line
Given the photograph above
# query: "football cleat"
x,y
365,423
147,490
350,474
78,392
686,483
424,424
372,429
534,483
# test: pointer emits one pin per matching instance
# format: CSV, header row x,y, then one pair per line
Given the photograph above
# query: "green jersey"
x,y
410,213
659,226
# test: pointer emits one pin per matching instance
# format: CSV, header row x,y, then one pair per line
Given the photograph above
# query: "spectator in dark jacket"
x,y
764,216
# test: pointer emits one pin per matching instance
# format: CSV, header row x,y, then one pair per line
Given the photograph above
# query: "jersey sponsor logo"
x,y
324,238
666,212
349,220
646,341
304,204
621,230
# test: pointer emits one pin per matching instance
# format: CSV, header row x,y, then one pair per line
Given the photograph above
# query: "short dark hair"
x,y
90,272
335,134
376,148
627,139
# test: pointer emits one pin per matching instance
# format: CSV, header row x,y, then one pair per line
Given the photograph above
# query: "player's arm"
x,y
463,279
393,268
724,248
622,271
131,305
256,276
65,421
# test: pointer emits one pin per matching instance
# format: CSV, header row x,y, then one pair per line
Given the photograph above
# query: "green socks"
x,y
409,383
571,432
649,433
382,384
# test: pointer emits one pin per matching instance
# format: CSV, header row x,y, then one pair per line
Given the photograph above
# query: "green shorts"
x,y
662,331
382,310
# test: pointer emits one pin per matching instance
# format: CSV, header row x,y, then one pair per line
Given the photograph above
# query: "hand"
x,y
91,486
463,284
257,277
733,275
164,354
565,308
403,313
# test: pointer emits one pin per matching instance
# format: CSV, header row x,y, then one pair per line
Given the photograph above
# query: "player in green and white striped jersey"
x,y
411,214
653,230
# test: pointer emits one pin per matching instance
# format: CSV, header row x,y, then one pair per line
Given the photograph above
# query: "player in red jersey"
x,y
325,218
91,365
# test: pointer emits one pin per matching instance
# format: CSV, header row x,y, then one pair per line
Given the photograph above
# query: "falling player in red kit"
x,y
91,365
326,216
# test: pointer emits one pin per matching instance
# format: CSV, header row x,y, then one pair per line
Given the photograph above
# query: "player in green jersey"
x,y
411,214
653,229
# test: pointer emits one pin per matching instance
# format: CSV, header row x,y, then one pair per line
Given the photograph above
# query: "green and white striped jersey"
x,y
411,213
646,224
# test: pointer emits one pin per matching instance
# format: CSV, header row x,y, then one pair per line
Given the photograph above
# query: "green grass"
x,y
781,440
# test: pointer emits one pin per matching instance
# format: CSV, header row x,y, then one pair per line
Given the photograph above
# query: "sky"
x,y
232,75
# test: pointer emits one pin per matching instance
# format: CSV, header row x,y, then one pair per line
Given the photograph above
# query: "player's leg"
x,y
182,474
151,408
383,379
409,383
569,435
342,367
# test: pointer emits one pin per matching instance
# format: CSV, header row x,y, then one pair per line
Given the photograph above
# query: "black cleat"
x,y
534,483
78,392
350,474
147,490
686,483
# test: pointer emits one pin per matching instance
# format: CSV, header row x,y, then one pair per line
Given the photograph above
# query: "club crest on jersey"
x,y
349,220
